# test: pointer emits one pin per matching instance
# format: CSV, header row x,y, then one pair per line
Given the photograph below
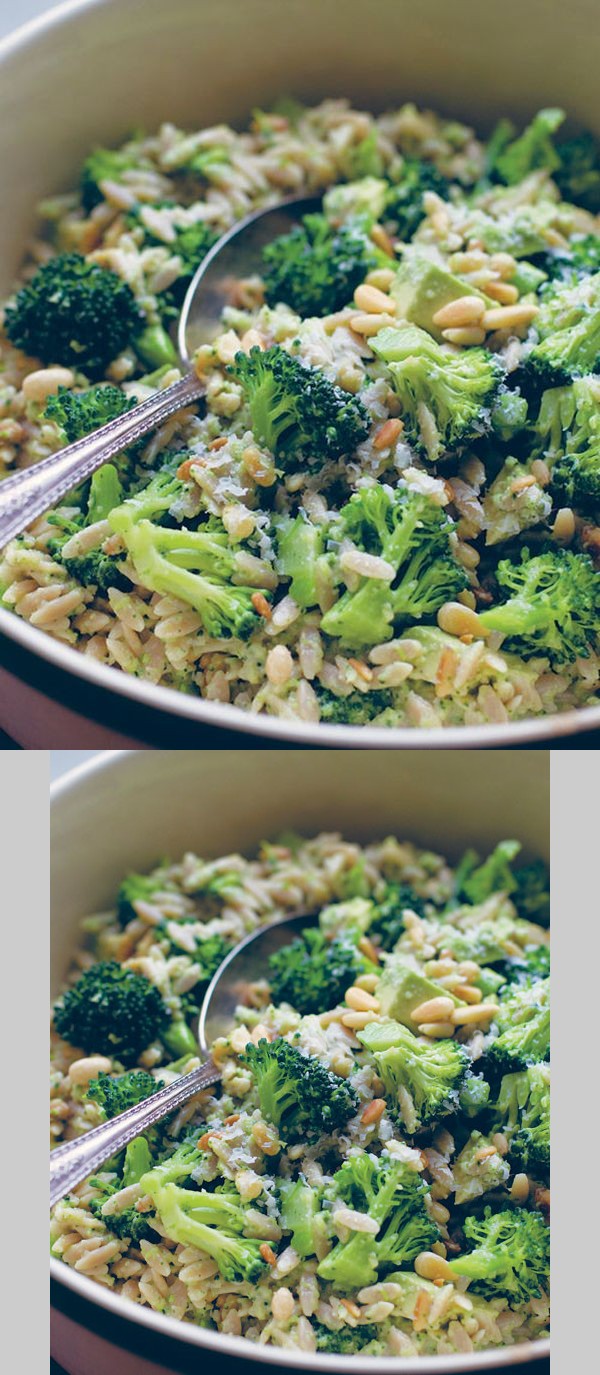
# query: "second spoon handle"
x,y
29,493
74,1160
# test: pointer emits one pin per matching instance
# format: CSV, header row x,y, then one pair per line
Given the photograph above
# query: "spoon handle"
x,y
74,1160
27,494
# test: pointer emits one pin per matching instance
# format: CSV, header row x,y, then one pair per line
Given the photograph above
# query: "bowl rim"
x,y
222,716
239,1347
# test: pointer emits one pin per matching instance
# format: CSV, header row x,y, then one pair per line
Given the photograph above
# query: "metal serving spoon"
x,y
246,963
27,494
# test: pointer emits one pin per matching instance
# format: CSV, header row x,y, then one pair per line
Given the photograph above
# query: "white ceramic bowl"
x,y
126,810
90,71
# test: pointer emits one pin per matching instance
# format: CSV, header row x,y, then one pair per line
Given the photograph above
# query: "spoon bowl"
x,y
246,963
237,254
32,491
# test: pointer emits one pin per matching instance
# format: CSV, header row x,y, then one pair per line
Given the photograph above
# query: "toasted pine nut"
x,y
373,1111
216,444
381,238
461,1016
504,263
387,434
261,605
355,1021
502,292
361,1001
457,619
432,1267
521,484
500,1142
485,1153
367,981
541,472
367,948
468,993
351,1307
564,524
267,1253
371,299
433,1010
469,969
467,335
509,317
468,262
437,1031
82,1071
440,1213
252,340
370,324
45,382
519,1189
381,277
363,670
466,310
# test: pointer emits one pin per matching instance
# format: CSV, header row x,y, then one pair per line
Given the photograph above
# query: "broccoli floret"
x,y
299,1206
391,1194
522,1112
363,159
568,334
345,1341
136,888
194,566
421,1077
128,1224
509,414
510,1255
316,268
528,886
74,312
523,1022
388,923
578,176
116,1094
495,875
297,1092
533,150
112,1011
446,394
404,201
96,569
125,1222
300,547
312,973
514,502
569,422
476,1170
411,533
360,201
212,1221
474,1093
532,964
532,894
350,919
357,709
103,164
79,413
554,606
295,410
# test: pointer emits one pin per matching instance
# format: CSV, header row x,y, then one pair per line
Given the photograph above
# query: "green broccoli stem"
x,y
179,1039
155,348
